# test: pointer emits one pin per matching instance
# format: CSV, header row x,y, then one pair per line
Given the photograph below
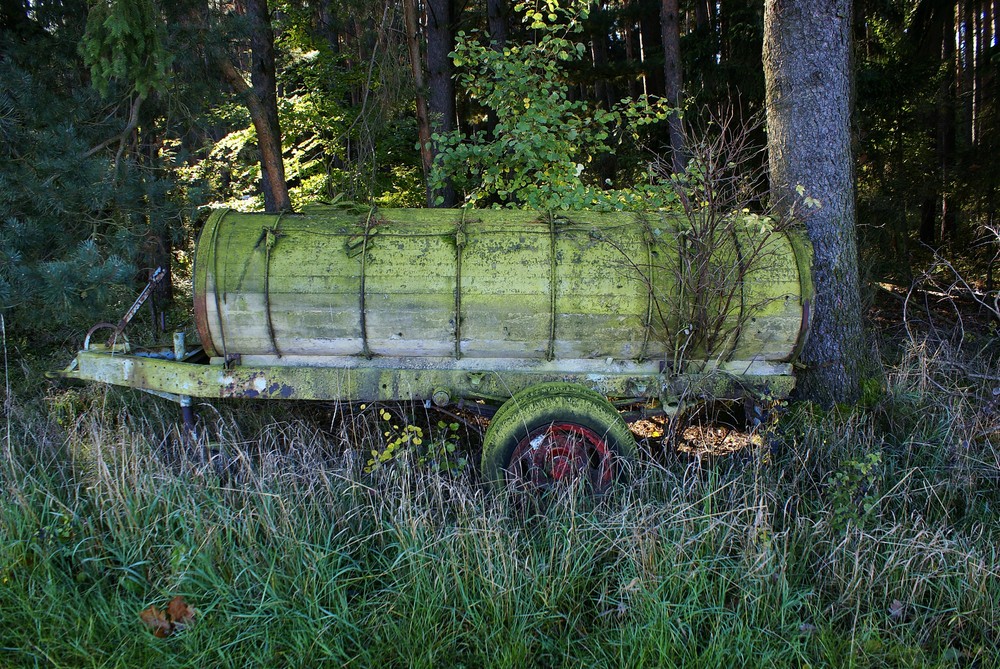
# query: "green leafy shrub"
x,y
540,153
854,490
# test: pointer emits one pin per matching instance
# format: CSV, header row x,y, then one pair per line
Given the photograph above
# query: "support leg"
x,y
187,415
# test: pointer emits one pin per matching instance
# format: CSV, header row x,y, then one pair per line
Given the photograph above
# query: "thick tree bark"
x,y
670,32
441,85
808,75
423,122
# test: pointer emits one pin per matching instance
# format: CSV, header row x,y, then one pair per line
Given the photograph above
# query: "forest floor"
x,y
858,536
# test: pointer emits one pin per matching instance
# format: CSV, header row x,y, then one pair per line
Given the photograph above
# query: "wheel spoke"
x,y
559,454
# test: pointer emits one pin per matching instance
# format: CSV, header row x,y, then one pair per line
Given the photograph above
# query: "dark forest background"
x,y
122,120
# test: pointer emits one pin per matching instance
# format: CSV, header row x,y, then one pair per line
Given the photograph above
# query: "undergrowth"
x,y
861,536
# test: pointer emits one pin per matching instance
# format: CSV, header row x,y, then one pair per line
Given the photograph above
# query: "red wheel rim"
x,y
561,453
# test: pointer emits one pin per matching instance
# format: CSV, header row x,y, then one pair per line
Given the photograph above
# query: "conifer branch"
x,y
133,123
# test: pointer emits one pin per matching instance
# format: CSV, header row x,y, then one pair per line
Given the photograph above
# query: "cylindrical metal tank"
x,y
497,284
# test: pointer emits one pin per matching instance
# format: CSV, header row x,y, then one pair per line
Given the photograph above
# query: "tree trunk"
x,y
650,32
441,85
946,130
809,92
13,14
701,15
496,16
740,48
996,17
423,122
984,73
265,89
158,244
967,69
631,48
600,24
670,32
326,25
977,70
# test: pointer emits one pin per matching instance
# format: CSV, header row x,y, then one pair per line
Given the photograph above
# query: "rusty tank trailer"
x,y
545,315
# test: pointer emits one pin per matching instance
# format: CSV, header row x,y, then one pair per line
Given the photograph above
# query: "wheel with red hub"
x,y
556,434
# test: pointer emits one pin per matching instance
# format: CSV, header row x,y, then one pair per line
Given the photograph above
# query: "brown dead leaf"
x,y
156,622
180,613
162,624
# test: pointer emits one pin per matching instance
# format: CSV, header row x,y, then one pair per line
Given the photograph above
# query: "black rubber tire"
x,y
547,404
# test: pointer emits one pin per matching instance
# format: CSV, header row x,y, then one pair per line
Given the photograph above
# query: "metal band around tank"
x,y
550,353
460,240
365,350
651,282
270,237
803,251
214,246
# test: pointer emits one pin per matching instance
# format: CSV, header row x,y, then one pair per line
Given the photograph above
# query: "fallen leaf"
x,y
156,622
896,610
162,624
180,613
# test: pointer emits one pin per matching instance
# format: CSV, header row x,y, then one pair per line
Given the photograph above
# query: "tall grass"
x,y
810,551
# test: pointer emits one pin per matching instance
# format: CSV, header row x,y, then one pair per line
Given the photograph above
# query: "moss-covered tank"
x,y
306,289
546,315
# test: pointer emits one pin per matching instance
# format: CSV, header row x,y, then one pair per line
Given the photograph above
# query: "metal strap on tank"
x,y
551,353
214,245
460,240
365,349
270,236
648,240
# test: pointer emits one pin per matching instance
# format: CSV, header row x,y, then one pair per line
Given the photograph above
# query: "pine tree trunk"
x,y
808,74
672,77
604,93
701,15
651,33
13,15
631,49
326,25
967,69
946,126
423,122
441,85
263,79
996,17
158,247
496,15
740,47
